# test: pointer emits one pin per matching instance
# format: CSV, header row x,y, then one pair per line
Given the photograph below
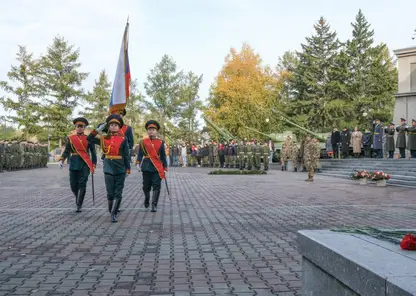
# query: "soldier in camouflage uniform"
x,y
2,156
311,156
286,150
294,154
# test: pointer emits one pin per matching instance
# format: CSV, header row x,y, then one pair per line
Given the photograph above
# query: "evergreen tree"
x,y
371,73
163,87
134,108
97,101
317,102
61,79
190,105
23,88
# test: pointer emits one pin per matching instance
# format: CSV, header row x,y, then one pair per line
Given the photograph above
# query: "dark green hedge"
x,y
236,172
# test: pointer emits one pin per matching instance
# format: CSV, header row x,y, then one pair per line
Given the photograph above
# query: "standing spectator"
x,y
184,152
345,142
356,138
176,155
367,143
335,140
271,150
328,146
378,138
167,151
221,154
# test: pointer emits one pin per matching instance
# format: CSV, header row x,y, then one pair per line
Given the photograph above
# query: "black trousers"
x,y
222,160
367,151
114,185
78,179
151,180
335,150
402,152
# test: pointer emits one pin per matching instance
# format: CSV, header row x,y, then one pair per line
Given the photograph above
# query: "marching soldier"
x,y
411,133
116,153
390,139
311,157
78,150
127,132
401,137
151,161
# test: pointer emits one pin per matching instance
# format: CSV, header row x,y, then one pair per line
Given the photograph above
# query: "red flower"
x,y
408,242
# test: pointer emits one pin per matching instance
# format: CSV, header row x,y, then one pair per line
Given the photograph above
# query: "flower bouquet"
x,y
363,176
380,177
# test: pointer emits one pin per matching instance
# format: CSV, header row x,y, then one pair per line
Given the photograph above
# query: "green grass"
x,y
236,172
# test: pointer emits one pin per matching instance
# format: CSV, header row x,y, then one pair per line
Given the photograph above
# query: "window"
x,y
413,77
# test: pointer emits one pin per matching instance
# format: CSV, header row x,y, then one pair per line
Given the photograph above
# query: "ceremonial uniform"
x,y
116,155
257,151
378,140
249,149
411,133
241,155
77,150
266,154
390,147
151,160
401,138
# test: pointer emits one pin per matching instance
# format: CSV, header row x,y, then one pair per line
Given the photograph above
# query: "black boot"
x,y
114,211
146,199
110,205
80,198
155,199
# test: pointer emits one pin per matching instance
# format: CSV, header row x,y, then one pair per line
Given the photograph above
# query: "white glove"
x,y
139,169
101,127
61,165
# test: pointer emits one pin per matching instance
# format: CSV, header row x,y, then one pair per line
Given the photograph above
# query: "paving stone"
x,y
211,237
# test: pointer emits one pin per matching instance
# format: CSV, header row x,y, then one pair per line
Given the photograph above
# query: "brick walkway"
x,y
218,235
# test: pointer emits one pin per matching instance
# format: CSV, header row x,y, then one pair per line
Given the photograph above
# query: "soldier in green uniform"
x,y
241,155
389,132
249,160
257,152
411,133
77,150
401,138
311,156
116,152
2,156
266,155
294,155
151,161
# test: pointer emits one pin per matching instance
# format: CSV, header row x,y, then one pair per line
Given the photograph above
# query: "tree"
x,y
317,102
97,101
24,89
135,107
243,94
61,79
372,75
190,105
163,86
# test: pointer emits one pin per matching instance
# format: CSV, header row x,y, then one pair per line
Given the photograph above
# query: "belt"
x,y
376,133
113,157
390,136
411,133
147,156
74,153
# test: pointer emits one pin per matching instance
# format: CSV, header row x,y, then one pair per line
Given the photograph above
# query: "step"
x,y
389,171
390,182
369,167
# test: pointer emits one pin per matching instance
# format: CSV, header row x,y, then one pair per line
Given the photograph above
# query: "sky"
x,y
197,34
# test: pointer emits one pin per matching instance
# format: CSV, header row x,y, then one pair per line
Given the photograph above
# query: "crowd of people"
x,y
379,143
17,155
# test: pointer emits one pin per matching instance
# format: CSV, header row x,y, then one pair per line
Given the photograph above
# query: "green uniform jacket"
x,y
76,163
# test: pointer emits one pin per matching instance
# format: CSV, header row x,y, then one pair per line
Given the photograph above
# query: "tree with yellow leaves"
x,y
244,94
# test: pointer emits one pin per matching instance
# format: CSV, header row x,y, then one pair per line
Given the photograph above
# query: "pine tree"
x,y
371,74
23,88
61,79
317,100
97,101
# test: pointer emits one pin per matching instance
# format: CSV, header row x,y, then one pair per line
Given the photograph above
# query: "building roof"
x,y
408,51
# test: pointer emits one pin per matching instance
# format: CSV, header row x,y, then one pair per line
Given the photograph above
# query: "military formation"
x,y
18,155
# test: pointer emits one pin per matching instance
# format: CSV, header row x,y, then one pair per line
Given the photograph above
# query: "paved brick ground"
x,y
218,235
